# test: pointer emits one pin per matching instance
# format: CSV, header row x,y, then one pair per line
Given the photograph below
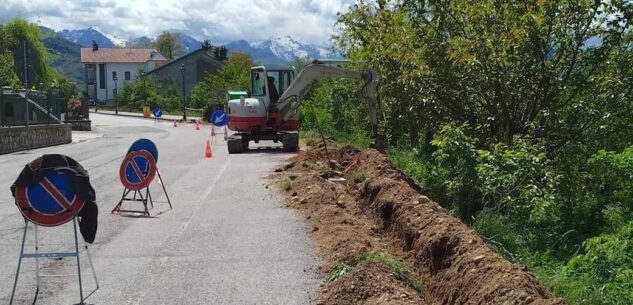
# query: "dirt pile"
x,y
346,235
370,283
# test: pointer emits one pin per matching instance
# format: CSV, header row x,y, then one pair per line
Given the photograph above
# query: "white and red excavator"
x,y
272,111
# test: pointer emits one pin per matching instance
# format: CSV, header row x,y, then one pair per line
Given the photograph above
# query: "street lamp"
x,y
144,76
184,106
116,94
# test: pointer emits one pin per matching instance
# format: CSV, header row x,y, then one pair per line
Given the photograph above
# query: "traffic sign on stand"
x,y
219,118
138,169
50,191
157,112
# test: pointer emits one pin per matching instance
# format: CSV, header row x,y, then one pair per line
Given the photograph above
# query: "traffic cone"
x,y
175,124
208,153
197,125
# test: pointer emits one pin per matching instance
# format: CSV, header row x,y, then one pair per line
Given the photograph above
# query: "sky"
x,y
220,21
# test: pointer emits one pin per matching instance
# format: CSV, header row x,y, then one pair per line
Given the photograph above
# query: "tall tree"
x,y
220,53
10,34
206,45
235,75
169,44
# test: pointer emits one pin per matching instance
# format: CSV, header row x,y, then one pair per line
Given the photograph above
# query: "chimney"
x,y
95,46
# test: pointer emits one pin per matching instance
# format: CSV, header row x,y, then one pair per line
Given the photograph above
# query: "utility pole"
x,y
184,105
116,94
26,97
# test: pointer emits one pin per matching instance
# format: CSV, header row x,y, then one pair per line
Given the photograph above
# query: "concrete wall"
x,y
15,138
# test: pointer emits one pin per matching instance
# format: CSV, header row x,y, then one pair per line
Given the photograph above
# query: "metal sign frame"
x,y
37,255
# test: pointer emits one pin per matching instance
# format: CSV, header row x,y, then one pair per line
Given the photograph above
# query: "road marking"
x,y
183,227
202,198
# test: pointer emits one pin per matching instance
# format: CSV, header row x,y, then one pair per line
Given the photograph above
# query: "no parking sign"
x,y
51,201
137,170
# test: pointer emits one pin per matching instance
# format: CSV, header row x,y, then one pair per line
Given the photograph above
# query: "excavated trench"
x,y
381,209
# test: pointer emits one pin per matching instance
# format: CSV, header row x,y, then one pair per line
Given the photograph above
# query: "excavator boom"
x,y
292,98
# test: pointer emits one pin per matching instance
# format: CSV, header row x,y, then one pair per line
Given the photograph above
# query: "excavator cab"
x,y
270,83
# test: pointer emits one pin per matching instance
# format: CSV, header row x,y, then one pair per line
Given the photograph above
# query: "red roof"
x,y
114,55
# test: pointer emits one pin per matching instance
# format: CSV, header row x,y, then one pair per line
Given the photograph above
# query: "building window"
x,y
113,75
102,76
127,76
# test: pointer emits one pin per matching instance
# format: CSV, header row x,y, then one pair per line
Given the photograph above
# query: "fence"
x,y
44,107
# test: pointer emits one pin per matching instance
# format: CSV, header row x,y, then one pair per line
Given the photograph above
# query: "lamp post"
x,y
116,94
144,76
184,106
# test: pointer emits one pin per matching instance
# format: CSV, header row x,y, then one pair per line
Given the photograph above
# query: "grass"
x,y
360,176
286,184
311,165
339,270
398,269
407,161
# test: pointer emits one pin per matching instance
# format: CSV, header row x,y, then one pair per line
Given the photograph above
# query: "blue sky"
x,y
218,20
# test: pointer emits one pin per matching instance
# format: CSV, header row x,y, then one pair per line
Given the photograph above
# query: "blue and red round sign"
x,y
50,201
137,170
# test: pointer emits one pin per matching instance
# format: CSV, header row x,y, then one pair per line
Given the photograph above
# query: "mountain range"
x,y
65,47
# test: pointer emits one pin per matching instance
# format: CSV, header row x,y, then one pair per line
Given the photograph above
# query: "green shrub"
x,y
286,184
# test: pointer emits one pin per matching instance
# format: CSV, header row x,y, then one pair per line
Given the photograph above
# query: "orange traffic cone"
x,y
197,125
175,124
208,153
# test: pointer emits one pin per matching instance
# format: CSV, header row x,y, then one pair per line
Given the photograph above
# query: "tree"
x,y
234,75
206,45
10,35
220,53
169,44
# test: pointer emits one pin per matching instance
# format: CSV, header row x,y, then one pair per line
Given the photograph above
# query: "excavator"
x,y
272,111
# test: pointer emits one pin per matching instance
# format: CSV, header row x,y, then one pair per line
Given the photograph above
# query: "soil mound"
x,y
370,283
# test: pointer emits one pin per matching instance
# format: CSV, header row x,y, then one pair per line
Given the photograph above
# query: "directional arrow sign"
x,y
157,112
219,118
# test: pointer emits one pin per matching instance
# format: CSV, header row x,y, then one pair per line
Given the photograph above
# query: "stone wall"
x,y
15,138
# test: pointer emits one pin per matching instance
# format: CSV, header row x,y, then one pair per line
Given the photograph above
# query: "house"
x,y
109,69
191,67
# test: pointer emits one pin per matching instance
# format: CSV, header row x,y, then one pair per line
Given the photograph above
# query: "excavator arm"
x,y
292,98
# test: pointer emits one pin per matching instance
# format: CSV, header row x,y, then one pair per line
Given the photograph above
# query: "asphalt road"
x,y
227,240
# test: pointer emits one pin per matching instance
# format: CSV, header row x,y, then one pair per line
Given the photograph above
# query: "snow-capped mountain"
x,y
84,37
279,50
289,49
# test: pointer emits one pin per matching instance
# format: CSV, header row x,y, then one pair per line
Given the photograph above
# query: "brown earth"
x,y
379,209
370,283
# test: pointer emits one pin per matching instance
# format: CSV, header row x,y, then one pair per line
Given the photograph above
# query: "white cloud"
x,y
217,20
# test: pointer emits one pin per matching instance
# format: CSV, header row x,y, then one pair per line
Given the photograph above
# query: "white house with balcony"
x,y
110,69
